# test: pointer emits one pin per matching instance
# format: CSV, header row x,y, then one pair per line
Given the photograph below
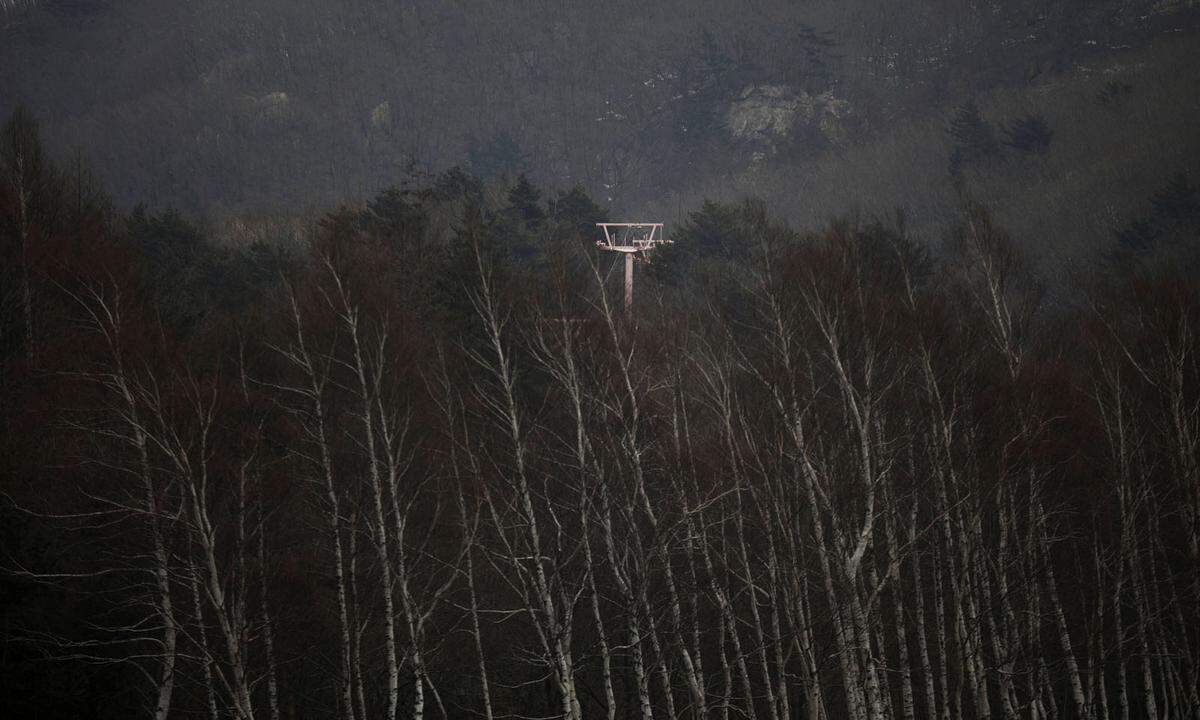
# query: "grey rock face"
x,y
769,115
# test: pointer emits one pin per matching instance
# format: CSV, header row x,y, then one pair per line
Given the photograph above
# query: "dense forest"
x,y
412,458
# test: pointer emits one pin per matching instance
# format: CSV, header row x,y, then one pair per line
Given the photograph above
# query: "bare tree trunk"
x,y
862,628
210,692
476,633
664,673
350,319
641,676
105,314
949,709
781,690
610,700
558,356
966,641
1007,513
693,672
967,616
268,629
1118,623
1142,612
927,673
166,682
23,232
1042,696
907,704
630,417
417,611
1000,651
721,394
633,627
196,481
848,645
358,624
313,391
726,672
450,406
753,592
543,608
729,622
693,660
1096,662
1064,637
814,699
1110,402
1186,671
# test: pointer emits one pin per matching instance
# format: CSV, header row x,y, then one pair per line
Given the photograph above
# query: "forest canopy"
x,y
412,457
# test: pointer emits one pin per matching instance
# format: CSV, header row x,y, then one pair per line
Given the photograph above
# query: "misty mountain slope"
x,y
1121,126
222,107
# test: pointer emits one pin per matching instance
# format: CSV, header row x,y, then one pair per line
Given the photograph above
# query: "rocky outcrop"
x,y
381,116
269,106
770,115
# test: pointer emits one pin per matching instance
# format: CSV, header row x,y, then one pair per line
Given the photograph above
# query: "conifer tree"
x,y
525,200
1030,134
1178,202
974,136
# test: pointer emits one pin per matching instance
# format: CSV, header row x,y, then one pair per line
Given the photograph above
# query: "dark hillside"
x,y
226,108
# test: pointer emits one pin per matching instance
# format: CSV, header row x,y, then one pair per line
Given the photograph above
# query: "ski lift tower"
x,y
634,240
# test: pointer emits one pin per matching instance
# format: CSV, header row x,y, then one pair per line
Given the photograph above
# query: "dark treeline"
x,y
416,461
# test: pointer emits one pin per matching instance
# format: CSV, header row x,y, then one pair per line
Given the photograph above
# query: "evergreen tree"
x,y
717,233
575,215
1030,134
499,156
524,201
974,137
457,184
1178,203
182,268
1138,236
398,217
1174,217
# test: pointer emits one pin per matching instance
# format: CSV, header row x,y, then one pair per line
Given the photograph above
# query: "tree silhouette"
x,y
974,137
1178,203
497,156
1030,134
525,200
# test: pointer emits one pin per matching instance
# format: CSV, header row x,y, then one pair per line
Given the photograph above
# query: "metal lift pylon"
x,y
634,240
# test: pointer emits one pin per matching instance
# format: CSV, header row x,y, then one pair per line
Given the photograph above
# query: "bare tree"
x,y
306,398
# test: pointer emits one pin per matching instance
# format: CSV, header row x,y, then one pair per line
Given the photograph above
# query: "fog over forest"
x,y
323,394
820,107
